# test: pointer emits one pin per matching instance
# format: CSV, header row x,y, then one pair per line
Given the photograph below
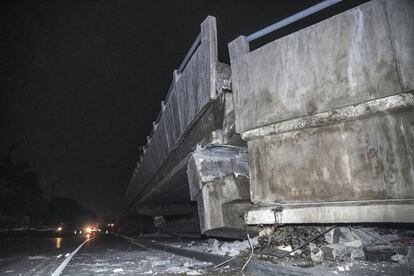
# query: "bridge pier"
x,y
219,181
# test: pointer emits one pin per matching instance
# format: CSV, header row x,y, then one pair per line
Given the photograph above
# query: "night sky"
x,y
82,81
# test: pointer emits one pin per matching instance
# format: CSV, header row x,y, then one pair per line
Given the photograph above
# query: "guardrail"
x,y
291,19
190,53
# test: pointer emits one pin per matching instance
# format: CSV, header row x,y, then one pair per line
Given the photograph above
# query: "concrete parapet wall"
x,y
328,114
192,92
169,184
362,54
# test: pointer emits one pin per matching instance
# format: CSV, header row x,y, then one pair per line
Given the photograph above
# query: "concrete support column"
x,y
218,181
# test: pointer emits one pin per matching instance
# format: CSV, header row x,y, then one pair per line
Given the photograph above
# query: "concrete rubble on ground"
x,y
353,249
214,246
342,246
173,266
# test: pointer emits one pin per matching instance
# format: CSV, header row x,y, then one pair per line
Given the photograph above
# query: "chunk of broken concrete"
x,y
355,245
316,253
334,251
358,254
410,256
398,258
336,235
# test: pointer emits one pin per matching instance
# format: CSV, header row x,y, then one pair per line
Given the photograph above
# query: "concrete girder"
x,y
332,119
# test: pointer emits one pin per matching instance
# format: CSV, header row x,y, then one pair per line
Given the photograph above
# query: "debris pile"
x,y
231,248
341,244
290,237
217,247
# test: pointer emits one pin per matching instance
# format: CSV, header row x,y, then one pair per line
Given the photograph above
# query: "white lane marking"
x,y
62,266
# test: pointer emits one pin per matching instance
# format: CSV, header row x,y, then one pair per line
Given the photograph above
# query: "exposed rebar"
x,y
251,253
309,241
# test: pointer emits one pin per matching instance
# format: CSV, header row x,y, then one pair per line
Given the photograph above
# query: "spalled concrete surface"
x,y
213,162
218,180
391,104
219,195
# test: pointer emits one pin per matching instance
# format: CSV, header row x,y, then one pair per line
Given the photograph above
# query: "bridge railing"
x,y
193,86
292,19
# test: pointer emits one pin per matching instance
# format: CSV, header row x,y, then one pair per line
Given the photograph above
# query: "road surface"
x,y
102,255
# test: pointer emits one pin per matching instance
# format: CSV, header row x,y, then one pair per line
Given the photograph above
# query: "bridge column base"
x,y
219,182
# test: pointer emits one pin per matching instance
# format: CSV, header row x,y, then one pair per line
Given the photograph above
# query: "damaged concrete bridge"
x,y
197,116
314,127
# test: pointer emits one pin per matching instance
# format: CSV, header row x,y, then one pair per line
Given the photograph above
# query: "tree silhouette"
x,y
20,195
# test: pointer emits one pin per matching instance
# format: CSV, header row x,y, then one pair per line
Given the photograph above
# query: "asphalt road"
x,y
102,255
35,256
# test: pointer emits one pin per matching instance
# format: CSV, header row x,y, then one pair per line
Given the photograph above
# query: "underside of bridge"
x,y
314,127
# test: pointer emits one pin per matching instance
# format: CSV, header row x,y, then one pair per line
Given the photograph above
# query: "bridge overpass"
x,y
314,127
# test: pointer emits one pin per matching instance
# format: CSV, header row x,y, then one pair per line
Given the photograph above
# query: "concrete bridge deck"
x,y
328,116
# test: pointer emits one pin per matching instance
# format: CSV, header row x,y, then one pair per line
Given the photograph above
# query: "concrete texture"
x,y
362,54
328,114
221,206
193,105
389,211
213,162
218,180
370,158
401,28
169,184
391,104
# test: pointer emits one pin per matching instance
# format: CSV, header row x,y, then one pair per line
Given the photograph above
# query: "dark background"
x,y
82,81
